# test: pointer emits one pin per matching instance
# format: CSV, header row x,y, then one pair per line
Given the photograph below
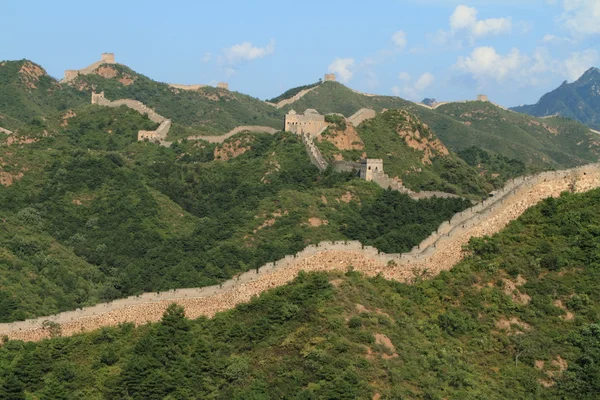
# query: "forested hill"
x,y
539,143
27,92
516,319
207,110
579,100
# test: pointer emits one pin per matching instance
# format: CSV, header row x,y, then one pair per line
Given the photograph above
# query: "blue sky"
x,y
514,51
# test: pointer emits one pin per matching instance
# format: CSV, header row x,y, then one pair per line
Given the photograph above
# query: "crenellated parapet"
x,y
160,134
439,252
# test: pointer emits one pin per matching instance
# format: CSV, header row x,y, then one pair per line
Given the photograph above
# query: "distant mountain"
x,y
579,100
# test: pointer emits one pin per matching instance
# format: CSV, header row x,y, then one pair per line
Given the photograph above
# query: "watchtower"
x,y
97,97
482,97
329,77
108,58
223,85
311,122
71,74
370,166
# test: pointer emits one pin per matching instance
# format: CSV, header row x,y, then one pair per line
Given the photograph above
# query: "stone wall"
x,y
186,87
316,158
441,251
329,78
293,99
105,58
360,116
225,136
160,134
370,167
223,85
311,122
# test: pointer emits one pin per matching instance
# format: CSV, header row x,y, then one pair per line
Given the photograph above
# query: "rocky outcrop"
x,y
441,251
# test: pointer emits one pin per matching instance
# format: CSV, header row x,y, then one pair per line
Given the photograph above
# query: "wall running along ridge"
x,y
6,131
441,251
160,134
225,136
106,58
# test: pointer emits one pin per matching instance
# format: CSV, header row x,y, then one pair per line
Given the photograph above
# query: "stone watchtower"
x,y
311,122
97,98
482,97
370,166
223,85
329,77
108,58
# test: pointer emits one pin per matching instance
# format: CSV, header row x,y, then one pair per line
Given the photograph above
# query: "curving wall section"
x,y
441,251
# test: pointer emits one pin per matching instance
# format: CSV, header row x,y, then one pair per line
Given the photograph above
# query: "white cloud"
x,y
581,17
206,57
246,51
343,68
424,81
399,39
579,62
485,64
413,90
464,22
556,40
464,18
404,76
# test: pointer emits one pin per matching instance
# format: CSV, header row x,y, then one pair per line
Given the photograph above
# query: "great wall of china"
x,y
160,134
439,252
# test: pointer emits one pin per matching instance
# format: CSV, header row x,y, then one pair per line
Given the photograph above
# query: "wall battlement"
x,y
160,134
311,122
105,58
441,251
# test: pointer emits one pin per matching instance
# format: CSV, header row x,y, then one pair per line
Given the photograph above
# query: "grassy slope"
x,y
507,133
437,171
98,215
548,141
24,96
317,337
208,110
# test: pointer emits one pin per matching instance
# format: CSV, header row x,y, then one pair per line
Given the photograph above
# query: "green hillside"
x,y
207,110
548,141
410,151
516,319
333,97
27,92
539,143
579,100
93,215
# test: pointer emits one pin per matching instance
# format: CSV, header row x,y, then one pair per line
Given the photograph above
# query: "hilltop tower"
x,y
370,166
108,58
329,77
311,122
223,85
482,97
97,97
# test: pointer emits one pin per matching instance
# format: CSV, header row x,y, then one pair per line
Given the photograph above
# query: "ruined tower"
x,y
370,166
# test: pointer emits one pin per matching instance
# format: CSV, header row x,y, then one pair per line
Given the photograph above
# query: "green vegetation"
x,y
209,111
516,319
537,142
98,215
288,94
27,93
578,100
495,168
